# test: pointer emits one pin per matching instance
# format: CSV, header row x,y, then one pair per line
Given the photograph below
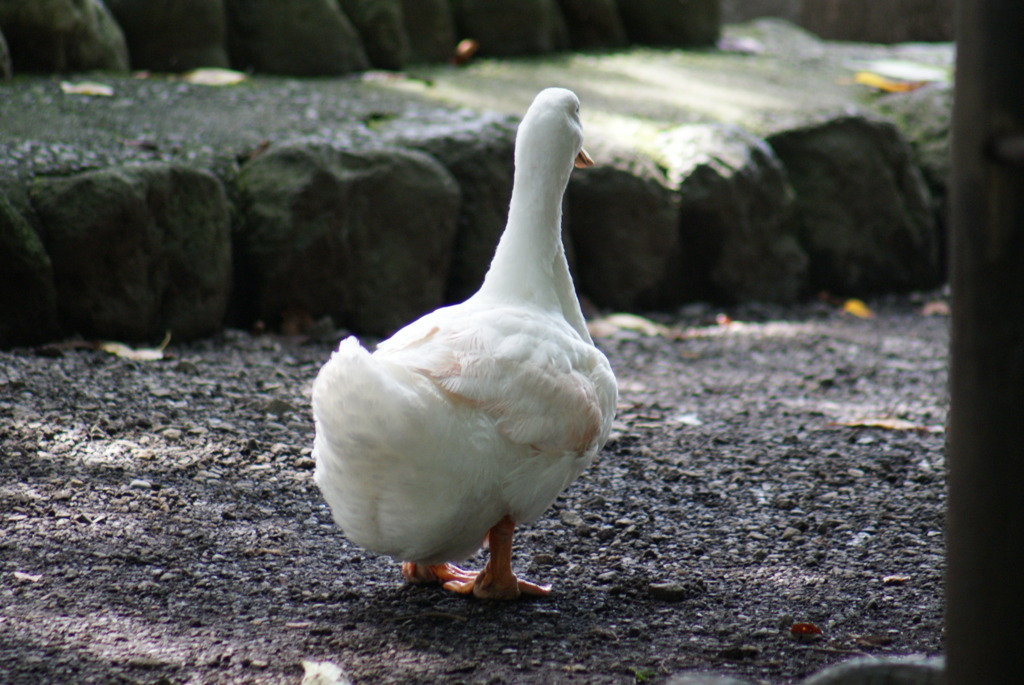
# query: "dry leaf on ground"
x,y
212,76
936,308
886,85
86,88
805,632
139,354
858,308
613,323
890,424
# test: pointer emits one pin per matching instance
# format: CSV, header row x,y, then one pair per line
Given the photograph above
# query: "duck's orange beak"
x,y
583,160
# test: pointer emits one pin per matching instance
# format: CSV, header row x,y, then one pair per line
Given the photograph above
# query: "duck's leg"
x,y
496,580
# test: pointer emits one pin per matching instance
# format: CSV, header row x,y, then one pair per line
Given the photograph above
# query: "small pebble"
x,y
672,591
739,652
571,518
278,407
140,484
186,367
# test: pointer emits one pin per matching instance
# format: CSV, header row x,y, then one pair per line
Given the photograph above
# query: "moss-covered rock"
x,y
137,250
624,222
862,211
924,117
381,26
502,28
173,35
880,21
365,237
593,24
736,242
5,59
478,152
298,37
684,23
430,28
62,36
28,298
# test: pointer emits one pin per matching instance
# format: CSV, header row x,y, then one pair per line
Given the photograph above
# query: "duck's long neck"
x,y
529,263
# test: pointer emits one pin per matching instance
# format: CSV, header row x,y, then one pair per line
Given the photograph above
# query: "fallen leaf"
x,y
890,424
464,51
140,354
886,85
86,88
322,673
805,632
214,76
871,641
936,308
613,323
895,580
858,308
902,70
263,550
255,152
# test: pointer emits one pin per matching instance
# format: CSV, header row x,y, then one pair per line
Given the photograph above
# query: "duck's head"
x,y
552,128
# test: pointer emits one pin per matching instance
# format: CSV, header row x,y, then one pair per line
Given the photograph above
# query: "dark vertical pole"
x,y
985,582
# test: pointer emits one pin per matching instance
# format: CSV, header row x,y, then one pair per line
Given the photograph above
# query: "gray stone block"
x,y
365,237
137,250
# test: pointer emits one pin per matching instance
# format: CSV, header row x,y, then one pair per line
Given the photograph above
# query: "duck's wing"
x,y
543,386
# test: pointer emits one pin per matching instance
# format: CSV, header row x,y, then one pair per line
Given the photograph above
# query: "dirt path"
x,y
158,521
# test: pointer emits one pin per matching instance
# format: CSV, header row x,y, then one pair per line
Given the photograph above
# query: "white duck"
x,y
475,417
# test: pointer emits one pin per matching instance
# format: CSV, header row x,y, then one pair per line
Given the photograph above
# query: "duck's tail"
x,y
379,441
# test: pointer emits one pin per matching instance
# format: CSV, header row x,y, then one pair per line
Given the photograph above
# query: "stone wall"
x,y
870,21
879,21
168,206
337,36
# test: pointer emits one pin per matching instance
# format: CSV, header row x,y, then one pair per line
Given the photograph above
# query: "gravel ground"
x,y
785,471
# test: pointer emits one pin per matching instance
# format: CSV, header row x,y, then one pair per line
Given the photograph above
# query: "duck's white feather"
x,y
474,412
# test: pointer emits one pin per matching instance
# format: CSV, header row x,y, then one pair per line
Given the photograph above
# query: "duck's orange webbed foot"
x,y
435,573
495,581
487,585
